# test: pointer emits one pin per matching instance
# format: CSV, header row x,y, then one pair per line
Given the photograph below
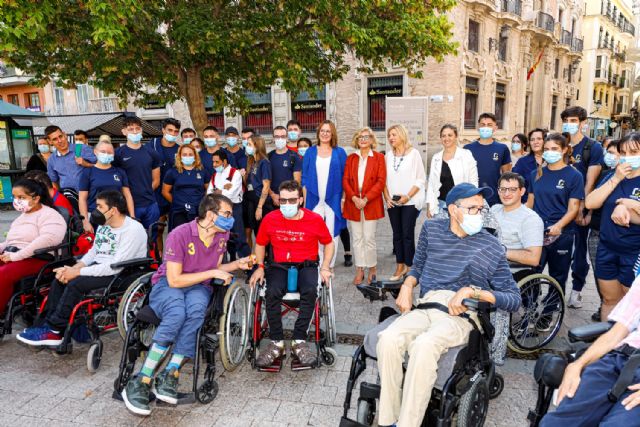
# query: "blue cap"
x,y
231,129
465,190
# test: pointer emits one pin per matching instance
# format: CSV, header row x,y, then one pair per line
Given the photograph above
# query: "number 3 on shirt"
x,y
192,249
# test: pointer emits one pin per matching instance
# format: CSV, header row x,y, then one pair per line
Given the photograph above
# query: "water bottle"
x,y
292,279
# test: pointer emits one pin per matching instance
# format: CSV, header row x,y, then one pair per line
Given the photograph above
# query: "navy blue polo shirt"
x,y
622,240
490,158
238,159
207,159
259,171
552,192
187,188
95,180
524,166
138,164
596,156
282,167
167,156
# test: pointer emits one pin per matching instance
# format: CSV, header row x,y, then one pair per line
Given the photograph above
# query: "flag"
x,y
533,67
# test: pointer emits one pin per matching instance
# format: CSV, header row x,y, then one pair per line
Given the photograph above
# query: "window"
x,y
567,103
215,116
556,69
259,114
554,111
378,88
310,108
560,13
474,36
503,43
82,98
58,95
472,88
32,101
606,99
501,96
577,94
13,99
601,66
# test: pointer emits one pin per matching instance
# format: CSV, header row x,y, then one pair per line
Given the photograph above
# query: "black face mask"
x,y
97,218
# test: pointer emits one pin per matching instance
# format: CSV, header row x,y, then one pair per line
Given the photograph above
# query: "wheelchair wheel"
x,y
234,327
496,387
366,412
94,356
132,300
207,392
472,410
329,314
539,318
329,357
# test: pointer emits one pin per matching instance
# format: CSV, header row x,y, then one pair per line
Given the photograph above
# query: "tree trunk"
x,y
194,94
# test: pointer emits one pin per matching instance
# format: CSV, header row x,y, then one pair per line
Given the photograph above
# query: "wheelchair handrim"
x,y
236,315
127,310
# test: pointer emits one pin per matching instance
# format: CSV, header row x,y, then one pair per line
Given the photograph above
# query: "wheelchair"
x,y
225,327
466,377
539,318
324,337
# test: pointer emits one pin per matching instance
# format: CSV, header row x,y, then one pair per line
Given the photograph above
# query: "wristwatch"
x,y
476,292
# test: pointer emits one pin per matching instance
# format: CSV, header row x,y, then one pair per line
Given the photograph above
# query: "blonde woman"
x,y
404,195
451,166
184,186
365,175
258,182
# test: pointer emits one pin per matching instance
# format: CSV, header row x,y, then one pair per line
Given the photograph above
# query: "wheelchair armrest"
x,y
136,262
588,333
44,251
218,282
476,305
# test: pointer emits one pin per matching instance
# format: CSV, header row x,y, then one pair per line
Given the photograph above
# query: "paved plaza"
x,y
41,388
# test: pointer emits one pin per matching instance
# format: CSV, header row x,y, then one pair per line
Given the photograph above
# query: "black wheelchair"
x,y
225,328
466,378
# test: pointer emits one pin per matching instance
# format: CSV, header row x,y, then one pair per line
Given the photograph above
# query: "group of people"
x,y
556,196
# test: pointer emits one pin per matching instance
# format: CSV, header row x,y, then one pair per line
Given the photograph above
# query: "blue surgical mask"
x,y
219,169
552,157
289,211
224,223
134,137
170,138
302,150
231,141
293,135
210,142
516,146
186,141
471,224
634,161
105,158
250,150
280,143
44,149
485,133
611,160
188,160
570,128
244,143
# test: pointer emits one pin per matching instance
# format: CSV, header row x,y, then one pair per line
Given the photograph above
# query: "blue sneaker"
x,y
39,336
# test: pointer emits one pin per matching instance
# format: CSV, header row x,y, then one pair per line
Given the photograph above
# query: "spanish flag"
x,y
533,67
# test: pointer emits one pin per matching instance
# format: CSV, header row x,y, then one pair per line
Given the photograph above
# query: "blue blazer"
x,y
334,186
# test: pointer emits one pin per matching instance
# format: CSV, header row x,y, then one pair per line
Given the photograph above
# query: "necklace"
x,y
397,166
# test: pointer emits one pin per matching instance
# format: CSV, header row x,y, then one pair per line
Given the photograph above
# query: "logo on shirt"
x,y
560,184
198,175
169,252
116,178
635,194
577,158
187,206
285,164
496,157
191,249
222,244
125,159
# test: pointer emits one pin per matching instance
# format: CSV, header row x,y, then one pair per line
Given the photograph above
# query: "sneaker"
x,y
303,353
269,355
39,336
575,300
544,323
166,386
348,260
136,395
596,316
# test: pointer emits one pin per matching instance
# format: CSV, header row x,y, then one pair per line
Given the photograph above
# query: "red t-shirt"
x,y
293,240
61,201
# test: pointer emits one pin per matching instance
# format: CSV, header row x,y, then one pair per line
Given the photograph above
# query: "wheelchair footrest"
x,y
369,391
297,366
183,399
275,367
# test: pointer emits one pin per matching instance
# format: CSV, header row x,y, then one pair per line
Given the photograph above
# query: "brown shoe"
x,y
304,354
269,355
359,276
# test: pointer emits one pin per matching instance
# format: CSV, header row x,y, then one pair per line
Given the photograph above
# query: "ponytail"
x,y
563,142
34,188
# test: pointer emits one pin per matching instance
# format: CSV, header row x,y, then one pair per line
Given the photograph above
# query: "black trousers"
x,y
180,217
250,205
238,242
403,223
63,298
277,288
345,237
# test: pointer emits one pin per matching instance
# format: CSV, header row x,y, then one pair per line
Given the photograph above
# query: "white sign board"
x,y
410,111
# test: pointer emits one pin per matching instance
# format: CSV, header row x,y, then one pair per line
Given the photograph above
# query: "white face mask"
x,y
471,224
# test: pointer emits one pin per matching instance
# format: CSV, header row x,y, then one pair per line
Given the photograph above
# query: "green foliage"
x,y
187,48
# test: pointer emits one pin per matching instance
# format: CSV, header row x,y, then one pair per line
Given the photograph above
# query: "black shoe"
x,y
544,323
348,260
596,316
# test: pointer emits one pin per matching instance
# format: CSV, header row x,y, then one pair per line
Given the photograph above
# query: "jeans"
x,y
403,223
590,406
148,215
63,298
182,312
580,266
277,287
558,256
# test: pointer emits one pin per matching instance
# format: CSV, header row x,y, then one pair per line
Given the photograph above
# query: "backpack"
x,y
586,152
229,178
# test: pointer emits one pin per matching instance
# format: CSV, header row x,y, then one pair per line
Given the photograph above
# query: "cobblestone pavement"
x,y
44,389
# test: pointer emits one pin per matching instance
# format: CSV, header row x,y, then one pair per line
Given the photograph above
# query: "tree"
x,y
186,49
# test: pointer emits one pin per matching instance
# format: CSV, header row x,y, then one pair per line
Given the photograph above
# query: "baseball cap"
x,y
231,129
464,190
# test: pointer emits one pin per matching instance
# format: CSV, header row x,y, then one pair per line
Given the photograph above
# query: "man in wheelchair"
x,y
118,238
294,234
584,397
180,295
455,259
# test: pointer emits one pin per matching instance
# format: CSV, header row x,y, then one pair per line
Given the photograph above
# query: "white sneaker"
x,y
575,300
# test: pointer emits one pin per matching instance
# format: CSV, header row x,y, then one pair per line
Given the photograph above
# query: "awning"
x,y
11,110
95,125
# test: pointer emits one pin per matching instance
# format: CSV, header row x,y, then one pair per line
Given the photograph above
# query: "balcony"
x,y
565,38
576,44
545,22
104,105
512,6
12,76
620,56
628,28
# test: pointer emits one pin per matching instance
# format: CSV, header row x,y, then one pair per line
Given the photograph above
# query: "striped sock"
x,y
175,362
156,353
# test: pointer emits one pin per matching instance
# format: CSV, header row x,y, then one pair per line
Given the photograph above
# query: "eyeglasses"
x,y
505,190
472,210
226,214
364,137
292,201
324,131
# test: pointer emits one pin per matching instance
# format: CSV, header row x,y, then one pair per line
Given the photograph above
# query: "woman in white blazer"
x,y
449,167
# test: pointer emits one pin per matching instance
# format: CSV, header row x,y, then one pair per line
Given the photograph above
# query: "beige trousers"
x,y
426,335
364,242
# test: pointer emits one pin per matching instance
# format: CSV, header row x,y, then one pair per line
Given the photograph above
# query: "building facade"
x,y
15,89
